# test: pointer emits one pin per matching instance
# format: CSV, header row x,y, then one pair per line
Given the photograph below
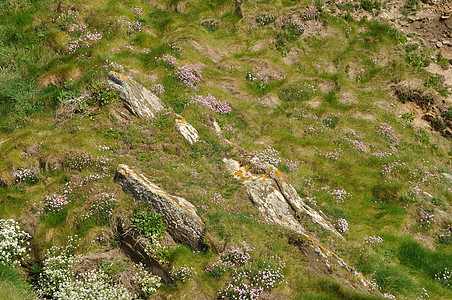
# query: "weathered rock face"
x,y
137,98
275,197
265,194
187,130
279,202
179,215
307,245
292,197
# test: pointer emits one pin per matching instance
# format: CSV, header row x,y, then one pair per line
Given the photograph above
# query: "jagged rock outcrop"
x,y
140,101
280,203
179,215
265,194
308,244
187,130
281,187
275,197
292,197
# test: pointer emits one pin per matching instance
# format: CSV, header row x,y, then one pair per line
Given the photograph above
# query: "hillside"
x,y
271,149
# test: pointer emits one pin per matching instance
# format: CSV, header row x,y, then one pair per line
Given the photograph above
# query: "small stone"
x,y
448,176
187,130
447,43
439,44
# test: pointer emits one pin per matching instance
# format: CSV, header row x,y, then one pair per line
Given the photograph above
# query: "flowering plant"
x,y
218,106
13,242
183,273
148,283
188,75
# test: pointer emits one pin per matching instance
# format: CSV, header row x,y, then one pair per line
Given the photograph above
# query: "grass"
x,y
12,284
38,47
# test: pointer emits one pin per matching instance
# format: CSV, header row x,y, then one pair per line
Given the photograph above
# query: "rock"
x,y
429,116
137,98
179,215
447,43
445,15
134,246
448,176
275,197
181,7
427,195
187,130
238,7
447,132
308,244
264,193
279,202
292,197
439,44
216,127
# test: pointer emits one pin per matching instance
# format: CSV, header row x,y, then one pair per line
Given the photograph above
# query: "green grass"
x,y
12,285
345,46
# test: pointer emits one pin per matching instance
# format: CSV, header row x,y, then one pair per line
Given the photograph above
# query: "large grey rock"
x,y
275,197
279,202
265,194
137,98
292,197
187,130
179,215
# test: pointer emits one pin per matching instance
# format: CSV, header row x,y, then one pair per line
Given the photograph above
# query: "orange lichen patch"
x,y
280,174
123,78
320,246
181,120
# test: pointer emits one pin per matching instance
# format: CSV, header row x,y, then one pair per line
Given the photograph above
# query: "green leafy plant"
x,y
331,122
210,24
101,94
432,81
298,92
370,5
409,117
418,60
149,224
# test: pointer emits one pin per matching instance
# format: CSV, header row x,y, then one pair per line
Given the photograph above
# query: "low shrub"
x,y
299,92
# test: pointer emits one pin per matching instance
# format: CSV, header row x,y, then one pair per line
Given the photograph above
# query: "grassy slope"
x,y
38,47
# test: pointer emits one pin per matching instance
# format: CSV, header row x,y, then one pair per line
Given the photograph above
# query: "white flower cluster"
x,y
59,281
155,249
13,242
57,267
94,284
148,283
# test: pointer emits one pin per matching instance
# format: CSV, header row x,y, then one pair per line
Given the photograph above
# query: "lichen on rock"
x,y
187,130
179,216
140,101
